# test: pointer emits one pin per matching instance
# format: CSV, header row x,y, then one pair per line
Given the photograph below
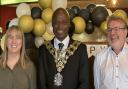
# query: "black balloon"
x,y
91,7
89,27
67,8
99,15
76,10
84,13
71,14
71,29
29,40
7,24
36,12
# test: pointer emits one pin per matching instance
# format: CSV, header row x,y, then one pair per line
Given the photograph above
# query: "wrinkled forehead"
x,y
116,22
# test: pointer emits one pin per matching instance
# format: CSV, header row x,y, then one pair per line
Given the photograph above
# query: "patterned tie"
x,y
60,46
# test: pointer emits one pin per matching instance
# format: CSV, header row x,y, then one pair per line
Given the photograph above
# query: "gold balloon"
x,y
80,37
96,36
103,27
80,24
47,36
120,13
84,37
45,3
47,15
39,27
99,35
26,23
49,28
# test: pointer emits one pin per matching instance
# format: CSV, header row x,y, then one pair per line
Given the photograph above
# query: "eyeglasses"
x,y
115,29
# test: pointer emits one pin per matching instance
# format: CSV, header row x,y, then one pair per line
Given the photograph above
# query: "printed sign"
x,y
93,49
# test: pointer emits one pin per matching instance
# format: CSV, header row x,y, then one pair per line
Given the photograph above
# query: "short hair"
x,y
23,56
113,18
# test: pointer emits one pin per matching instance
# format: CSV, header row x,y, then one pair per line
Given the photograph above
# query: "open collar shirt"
x,y
111,70
18,78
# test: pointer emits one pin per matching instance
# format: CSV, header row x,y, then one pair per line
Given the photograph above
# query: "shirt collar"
x,y
65,42
124,47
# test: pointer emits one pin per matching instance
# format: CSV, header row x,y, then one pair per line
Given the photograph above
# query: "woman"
x,y
16,70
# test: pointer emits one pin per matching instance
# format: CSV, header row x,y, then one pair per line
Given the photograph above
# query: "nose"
x,y
113,31
14,40
60,25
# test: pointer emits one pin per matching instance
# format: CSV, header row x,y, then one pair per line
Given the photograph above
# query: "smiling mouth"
x,y
60,31
13,46
115,37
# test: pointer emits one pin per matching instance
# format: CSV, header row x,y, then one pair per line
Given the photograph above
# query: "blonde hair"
x,y
23,57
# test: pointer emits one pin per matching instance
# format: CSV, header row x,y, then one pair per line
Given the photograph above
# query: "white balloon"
x,y
39,41
109,12
80,37
48,36
13,22
23,9
1,30
59,3
49,28
84,37
2,42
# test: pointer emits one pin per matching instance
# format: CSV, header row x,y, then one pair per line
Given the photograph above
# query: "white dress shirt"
x,y
65,42
111,70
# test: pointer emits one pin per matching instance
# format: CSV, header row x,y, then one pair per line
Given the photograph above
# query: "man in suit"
x,y
63,66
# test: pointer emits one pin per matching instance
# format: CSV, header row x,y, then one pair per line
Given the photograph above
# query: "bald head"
x,y
60,11
60,23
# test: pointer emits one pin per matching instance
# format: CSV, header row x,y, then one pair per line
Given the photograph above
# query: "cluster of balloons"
x,y
86,20
92,15
119,13
36,21
85,23
91,22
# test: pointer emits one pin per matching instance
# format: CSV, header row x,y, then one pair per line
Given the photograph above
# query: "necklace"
x,y
60,58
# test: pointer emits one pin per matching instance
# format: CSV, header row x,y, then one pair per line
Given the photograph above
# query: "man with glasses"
x,y
111,64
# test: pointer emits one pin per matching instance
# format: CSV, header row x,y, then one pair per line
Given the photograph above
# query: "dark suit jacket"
x,y
75,72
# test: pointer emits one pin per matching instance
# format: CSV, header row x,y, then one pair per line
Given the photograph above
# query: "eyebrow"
x,y
116,27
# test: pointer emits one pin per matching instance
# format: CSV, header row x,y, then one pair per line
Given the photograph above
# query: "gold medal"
x,y
58,79
61,57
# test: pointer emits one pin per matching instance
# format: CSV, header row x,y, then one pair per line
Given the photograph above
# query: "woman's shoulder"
x,y
30,63
30,66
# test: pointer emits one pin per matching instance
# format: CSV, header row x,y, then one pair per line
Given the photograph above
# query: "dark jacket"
x,y
75,72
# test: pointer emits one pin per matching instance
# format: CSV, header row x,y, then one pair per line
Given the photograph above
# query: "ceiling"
x,y
107,3
81,3
5,2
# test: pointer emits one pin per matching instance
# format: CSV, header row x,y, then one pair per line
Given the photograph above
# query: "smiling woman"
x,y
16,63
